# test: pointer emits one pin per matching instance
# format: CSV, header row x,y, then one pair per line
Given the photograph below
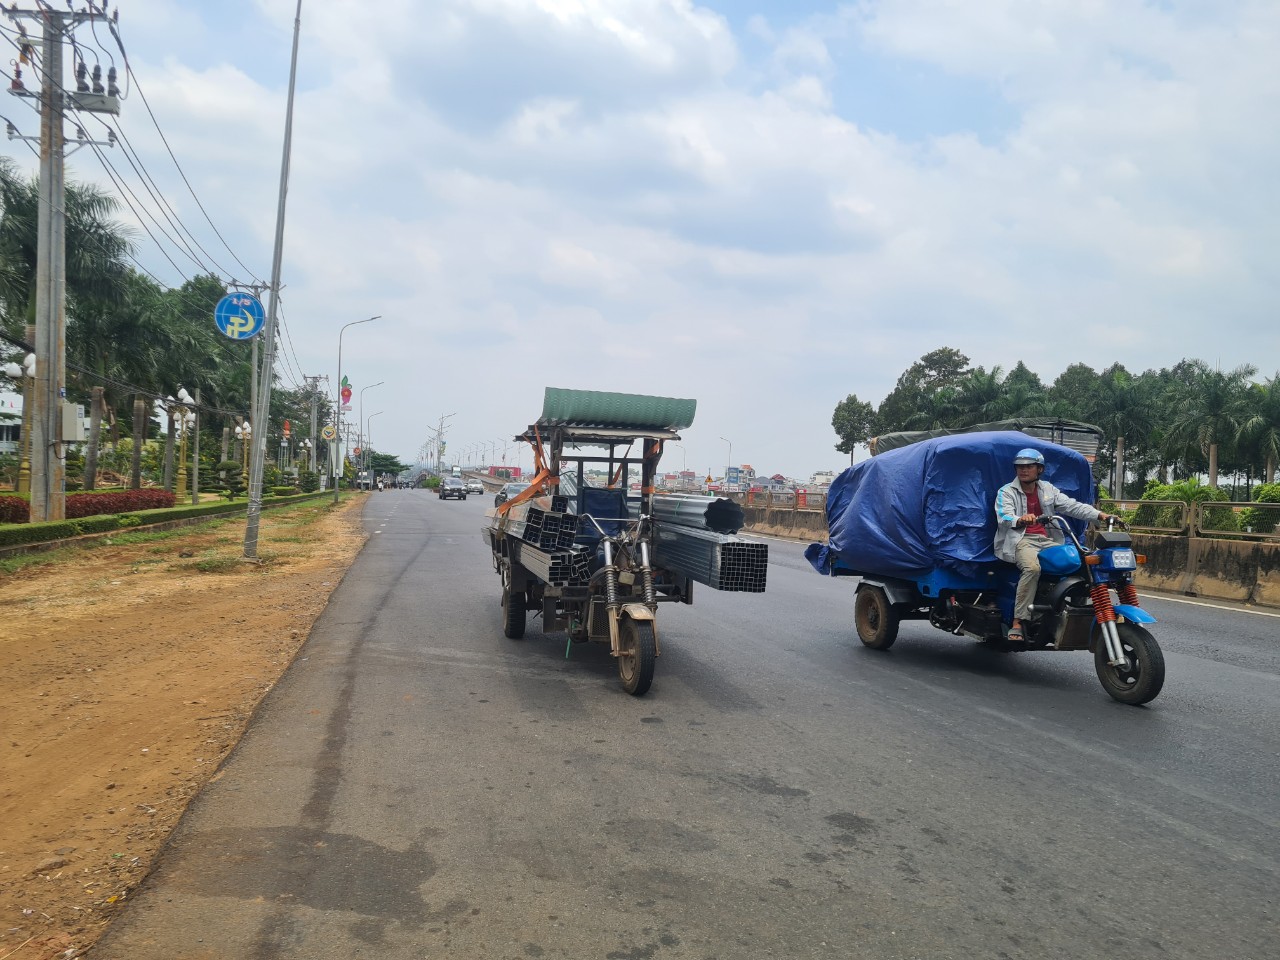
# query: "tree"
x,y
980,396
1120,406
938,369
854,422
1074,390
96,246
1260,429
1210,407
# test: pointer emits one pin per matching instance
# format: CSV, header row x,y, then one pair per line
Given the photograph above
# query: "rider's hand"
x,y
1026,520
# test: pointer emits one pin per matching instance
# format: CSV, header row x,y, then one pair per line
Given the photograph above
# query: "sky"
x,y
762,205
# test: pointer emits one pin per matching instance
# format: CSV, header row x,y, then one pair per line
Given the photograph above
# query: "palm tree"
x,y
980,396
97,247
1121,407
1261,426
1209,408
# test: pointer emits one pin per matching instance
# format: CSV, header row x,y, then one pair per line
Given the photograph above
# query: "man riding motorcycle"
x,y
1020,538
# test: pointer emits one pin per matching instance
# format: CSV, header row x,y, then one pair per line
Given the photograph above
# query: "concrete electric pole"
x,y
48,470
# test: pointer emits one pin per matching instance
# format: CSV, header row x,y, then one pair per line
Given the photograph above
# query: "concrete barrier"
x,y
1220,569
1226,569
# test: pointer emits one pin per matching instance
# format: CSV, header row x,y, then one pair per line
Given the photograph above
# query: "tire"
x,y
874,618
637,652
513,609
1142,682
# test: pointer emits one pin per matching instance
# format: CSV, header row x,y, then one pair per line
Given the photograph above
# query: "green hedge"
x,y
25,533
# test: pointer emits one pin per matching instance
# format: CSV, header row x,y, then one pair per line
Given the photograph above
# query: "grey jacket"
x,y
1011,503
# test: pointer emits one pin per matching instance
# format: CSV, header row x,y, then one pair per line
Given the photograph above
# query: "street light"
x,y
368,430
730,464
361,425
337,406
245,434
27,372
183,419
308,453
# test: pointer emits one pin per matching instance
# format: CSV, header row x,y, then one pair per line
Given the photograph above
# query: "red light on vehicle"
x,y
1093,559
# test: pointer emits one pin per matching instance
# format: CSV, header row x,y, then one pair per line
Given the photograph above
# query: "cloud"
x,y
640,195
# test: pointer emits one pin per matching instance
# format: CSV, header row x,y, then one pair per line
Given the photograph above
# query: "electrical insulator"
x,y
113,90
97,79
82,71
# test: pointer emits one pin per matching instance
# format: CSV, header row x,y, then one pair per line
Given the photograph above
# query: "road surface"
x,y
418,786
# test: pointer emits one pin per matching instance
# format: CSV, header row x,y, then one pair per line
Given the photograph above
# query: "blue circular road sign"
x,y
239,316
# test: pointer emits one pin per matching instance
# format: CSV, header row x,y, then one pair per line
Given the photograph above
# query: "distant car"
x,y
475,486
508,491
452,487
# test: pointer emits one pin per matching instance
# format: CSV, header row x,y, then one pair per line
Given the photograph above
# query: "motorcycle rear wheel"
x,y
1141,681
874,618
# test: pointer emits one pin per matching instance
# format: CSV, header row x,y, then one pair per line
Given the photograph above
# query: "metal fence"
x,y
1151,516
1236,520
1243,520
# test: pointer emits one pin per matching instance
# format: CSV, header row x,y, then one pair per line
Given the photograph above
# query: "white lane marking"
x,y
1212,606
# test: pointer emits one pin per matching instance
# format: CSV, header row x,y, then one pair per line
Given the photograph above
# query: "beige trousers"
x,y
1027,557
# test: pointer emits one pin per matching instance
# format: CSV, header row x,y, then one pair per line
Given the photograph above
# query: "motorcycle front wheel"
x,y
1142,678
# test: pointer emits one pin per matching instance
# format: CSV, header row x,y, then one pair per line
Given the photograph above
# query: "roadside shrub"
x,y
94,504
38,532
233,480
283,491
1187,491
1262,519
98,524
309,481
14,510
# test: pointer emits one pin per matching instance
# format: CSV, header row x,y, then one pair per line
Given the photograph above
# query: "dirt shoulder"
x,y
130,671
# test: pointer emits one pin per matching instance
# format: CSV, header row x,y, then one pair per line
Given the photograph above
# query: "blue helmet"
x,y
1028,455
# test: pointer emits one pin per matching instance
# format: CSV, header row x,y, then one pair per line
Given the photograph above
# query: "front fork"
x,y
612,597
1105,613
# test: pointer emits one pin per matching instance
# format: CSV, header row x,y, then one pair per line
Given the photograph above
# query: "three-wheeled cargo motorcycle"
x,y
941,568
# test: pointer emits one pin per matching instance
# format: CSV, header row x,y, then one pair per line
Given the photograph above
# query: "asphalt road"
x,y
418,786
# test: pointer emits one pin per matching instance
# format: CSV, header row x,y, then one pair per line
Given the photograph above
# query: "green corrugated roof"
x,y
595,408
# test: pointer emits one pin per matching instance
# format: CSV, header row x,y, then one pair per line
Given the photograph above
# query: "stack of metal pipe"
x,y
718,514
694,536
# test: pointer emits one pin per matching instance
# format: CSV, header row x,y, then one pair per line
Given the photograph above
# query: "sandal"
x,y
1015,635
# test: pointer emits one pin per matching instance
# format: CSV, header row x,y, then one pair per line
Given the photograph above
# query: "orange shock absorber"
x,y
1128,594
1103,611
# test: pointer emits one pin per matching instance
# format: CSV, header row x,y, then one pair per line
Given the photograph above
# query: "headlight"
x,y
1123,560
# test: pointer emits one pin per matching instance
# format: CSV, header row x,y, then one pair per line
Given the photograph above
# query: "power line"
x,y
133,77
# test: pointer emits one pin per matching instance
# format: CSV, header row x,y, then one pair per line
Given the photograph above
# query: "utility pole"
x,y
440,441
262,407
48,469
313,383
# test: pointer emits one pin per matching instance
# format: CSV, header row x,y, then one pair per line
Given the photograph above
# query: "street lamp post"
x,y
245,434
368,434
730,464
183,418
335,461
360,427
27,372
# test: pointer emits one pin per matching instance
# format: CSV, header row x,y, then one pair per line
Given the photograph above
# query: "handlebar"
x,y
1112,521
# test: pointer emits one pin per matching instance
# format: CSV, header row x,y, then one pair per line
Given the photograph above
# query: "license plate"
x,y
1123,560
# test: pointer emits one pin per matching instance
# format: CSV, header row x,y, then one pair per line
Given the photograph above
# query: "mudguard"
x,y
898,591
1134,614
637,611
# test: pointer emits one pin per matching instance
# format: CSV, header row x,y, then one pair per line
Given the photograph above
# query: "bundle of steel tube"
x,y
719,560
718,514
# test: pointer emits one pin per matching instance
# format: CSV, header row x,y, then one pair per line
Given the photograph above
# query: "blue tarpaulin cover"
x,y
931,505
